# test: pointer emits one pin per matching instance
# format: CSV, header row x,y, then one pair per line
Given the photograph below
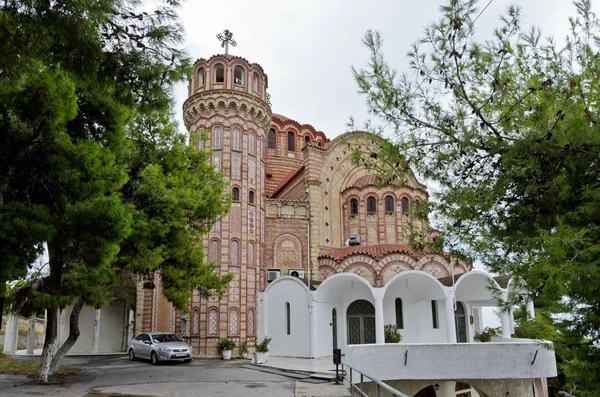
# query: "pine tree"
x,y
508,128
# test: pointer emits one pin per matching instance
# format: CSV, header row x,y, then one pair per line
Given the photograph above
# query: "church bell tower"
x,y
227,98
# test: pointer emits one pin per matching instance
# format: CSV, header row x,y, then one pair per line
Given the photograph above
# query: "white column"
x,y
31,335
130,325
379,331
450,326
96,331
478,319
7,334
511,315
530,310
447,389
505,319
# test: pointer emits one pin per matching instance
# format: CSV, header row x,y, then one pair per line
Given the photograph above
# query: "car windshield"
x,y
162,338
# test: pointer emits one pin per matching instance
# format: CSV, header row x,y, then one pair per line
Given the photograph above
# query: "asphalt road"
x,y
110,376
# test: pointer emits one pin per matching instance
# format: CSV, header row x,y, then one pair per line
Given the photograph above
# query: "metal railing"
x,y
360,387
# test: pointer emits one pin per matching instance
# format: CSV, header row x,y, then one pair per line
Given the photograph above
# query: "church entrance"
x,y
361,322
460,323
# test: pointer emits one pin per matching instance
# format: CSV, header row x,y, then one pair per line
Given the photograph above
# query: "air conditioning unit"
x,y
273,275
296,273
354,239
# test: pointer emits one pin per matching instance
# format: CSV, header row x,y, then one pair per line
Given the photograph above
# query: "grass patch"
x,y
9,365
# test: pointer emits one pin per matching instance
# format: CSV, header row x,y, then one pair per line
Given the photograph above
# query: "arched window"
x,y
235,194
399,314
404,205
354,207
234,253
234,322
371,205
236,139
219,73
271,141
291,142
255,82
238,75
307,139
287,318
251,197
201,77
389,204
212,324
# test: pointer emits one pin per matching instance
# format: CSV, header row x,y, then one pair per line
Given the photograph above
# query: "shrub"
x,y
226,344
392,334
263,347
486,334
243,346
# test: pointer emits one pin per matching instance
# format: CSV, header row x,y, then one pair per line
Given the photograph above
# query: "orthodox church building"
x,y
318,247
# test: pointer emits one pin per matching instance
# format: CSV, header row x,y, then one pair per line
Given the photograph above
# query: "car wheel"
x,y
154,358
131,355
189,360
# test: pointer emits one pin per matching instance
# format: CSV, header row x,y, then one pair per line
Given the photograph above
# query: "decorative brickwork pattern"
x,y
195,322
235,218
236,166
251,286
251,143
252,170
234,253
251,221
234,285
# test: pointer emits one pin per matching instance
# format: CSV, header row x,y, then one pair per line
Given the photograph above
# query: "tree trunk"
x,y
73,336
54,284
1,310
50,344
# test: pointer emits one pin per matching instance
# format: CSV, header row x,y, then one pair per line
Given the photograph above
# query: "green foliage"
x,y
486,334
263,347
243,347
508,129
90,160
392,333
226,344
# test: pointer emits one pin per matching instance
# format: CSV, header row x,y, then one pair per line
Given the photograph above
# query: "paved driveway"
x,y
110,376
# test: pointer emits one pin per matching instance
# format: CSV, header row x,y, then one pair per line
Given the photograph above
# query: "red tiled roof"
x,y
287,180
364,181
374,251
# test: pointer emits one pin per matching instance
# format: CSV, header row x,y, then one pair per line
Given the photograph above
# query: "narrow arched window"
x,y
399,314
235,194
404,205
201,77
238,75
287,318
271,141
291,142
389,204
219,73
354,207
255,82
371,205
251,196
307,139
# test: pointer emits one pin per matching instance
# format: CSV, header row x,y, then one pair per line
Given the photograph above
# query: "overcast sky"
x,y
307,47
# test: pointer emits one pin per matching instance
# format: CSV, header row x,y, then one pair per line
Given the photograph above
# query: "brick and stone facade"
x,y
297,197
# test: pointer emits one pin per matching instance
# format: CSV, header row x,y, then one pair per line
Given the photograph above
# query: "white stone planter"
x,y
226,354
259,358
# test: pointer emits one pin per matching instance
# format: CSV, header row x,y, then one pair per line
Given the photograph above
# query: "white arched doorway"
x,y
361,322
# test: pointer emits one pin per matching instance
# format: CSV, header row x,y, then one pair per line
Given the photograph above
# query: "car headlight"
x,y
164,349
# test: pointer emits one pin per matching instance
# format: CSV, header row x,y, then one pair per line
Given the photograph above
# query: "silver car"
x,y
159,346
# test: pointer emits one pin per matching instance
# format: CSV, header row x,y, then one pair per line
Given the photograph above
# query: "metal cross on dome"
x,y
226,38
